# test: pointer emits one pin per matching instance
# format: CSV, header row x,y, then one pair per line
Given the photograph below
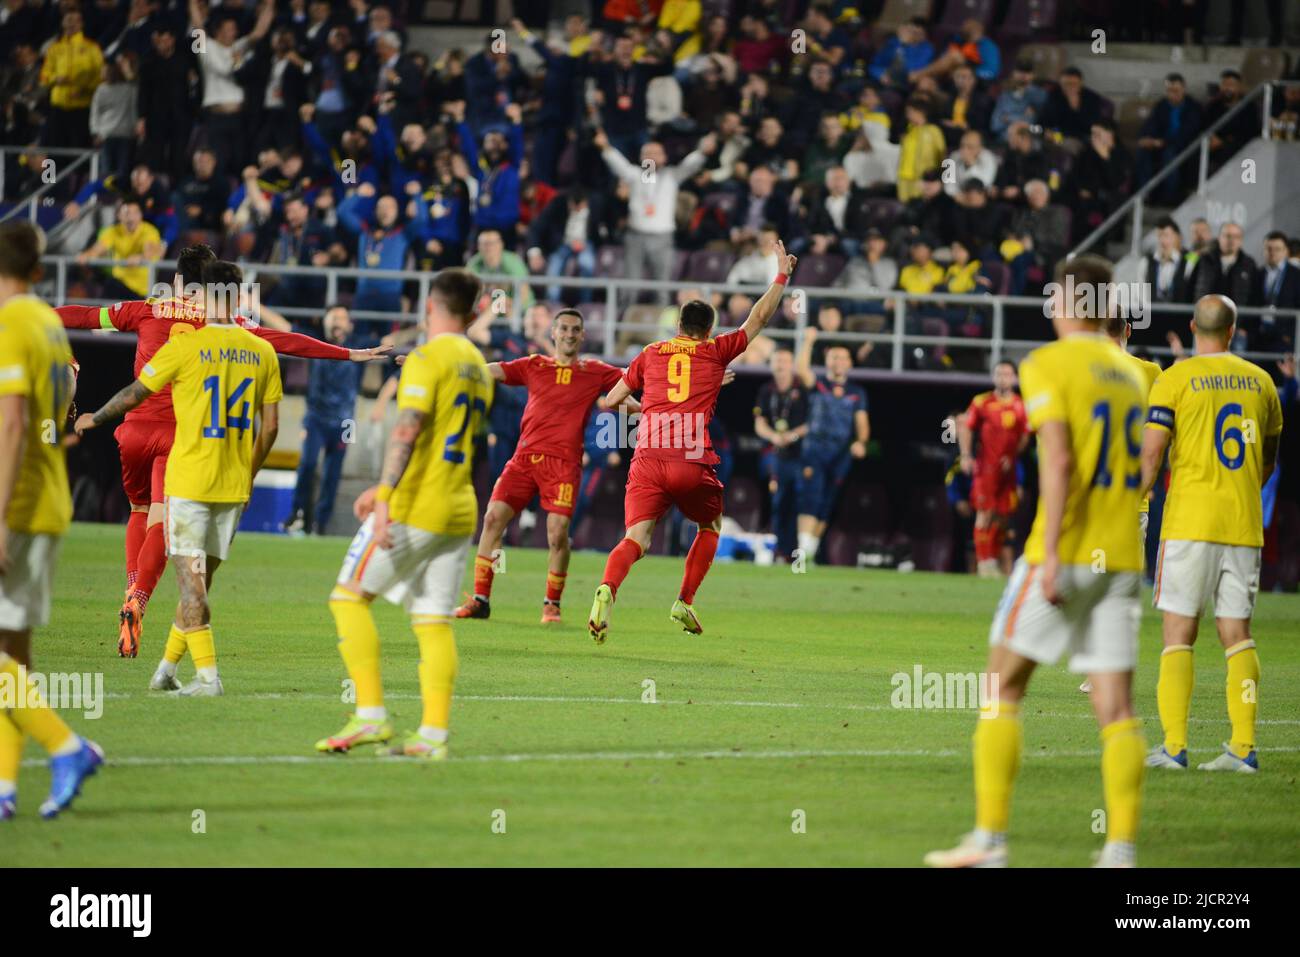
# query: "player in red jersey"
x,y
145,437
548,459
997,420
673,463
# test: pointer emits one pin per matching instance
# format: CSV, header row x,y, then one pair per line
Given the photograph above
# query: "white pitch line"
x,y
345,760
561,699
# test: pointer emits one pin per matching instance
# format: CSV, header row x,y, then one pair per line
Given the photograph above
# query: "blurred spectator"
x,y
1238,131
1226,270
382,242
1168,270
976,221
201,197
622,84
132,241
758,266
838,218
826,151
293,237
1042,227
781,420
221,53
72,70
932,213
905,53
922,148
113,114
970,48
1022,162
165,106
1021,101
1278,285
284,82
493,259
969,110
872,272
496,169
1071,107
1173,125
565,232
970,161
1102,175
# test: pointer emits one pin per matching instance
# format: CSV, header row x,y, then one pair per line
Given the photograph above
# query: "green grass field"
x,y
784,704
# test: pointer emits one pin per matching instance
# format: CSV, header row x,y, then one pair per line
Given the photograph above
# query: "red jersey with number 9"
x,y
679,380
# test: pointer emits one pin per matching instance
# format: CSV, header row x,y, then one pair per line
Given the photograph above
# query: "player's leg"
x,y
153,556
137,482
193,623
1234,603
511,493
1123,764
645,501
810,492
1182,571
701,501
358,644
136,524
557,564
985,553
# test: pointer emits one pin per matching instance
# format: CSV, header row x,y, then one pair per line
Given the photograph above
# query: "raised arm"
x,y
803,362
616,161
767,304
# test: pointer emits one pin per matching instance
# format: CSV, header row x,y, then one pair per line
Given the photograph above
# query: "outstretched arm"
x,y
112,410
766,306
615,397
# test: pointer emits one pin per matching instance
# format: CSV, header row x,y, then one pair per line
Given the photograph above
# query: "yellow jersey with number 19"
x,y
448,381
1220,408
221,376
1147,372
34,357
1090,386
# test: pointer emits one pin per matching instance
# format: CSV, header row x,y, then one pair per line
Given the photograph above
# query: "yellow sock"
x,y
35,717
1243,695
359,646
998,740
203,648
1174,695
438,665
11,749
1123,762
177,642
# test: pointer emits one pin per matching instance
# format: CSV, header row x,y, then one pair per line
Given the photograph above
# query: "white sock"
x,y
1121,852
71,746
167,668
431,733
373,714
809,543
208,674
990,838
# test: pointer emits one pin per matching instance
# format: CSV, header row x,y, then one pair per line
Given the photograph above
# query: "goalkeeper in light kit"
x,y
35,509
1221,419
224,381
417,525
673,463
548,460
1075,589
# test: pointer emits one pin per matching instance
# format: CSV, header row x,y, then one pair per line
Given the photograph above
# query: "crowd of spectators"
x,y
656,140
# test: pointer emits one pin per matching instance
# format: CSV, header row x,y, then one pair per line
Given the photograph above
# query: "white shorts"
x,y
1189,574
25,588
200,528
1097,623
421,571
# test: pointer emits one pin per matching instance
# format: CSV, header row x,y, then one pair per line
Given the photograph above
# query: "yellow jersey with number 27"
x,y
1219,408
221,376
1084,382
34,356
447,380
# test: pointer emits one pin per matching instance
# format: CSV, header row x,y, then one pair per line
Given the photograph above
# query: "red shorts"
x,y
143,448
656,485
993,490
529,474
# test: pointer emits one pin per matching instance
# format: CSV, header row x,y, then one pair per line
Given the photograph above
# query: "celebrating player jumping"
x,y
679,380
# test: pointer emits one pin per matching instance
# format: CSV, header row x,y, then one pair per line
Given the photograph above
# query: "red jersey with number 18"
x,y
560,398
679,380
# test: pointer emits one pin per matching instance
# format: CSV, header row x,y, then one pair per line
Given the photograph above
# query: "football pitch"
x,y
773,739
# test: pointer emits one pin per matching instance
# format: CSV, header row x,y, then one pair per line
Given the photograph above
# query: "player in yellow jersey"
x,y
417,525
226,392
1119,329
1075,589
35,508
1221,419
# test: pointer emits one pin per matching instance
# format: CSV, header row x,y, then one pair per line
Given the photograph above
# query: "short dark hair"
x,y
22,244
696,318
569,311
191,261
1114,326
1086,270
219,272
1278,234
1166,222
1175,78
458,289
1006,362
1229,74
1072,71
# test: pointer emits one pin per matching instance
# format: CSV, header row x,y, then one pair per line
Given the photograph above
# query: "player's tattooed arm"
x,y
767,304
112,410
400,446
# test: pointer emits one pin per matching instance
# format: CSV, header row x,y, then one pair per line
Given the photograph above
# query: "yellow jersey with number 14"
x,y
34,356
1220,408
221,376
447,380
1085,383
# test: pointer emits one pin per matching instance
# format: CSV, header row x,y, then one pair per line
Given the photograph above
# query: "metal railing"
x,y
90,157
1135,204
616,336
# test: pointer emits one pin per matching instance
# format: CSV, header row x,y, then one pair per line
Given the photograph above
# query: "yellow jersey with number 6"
x,y
221,376
1220,408
1085,383
34,357
446,380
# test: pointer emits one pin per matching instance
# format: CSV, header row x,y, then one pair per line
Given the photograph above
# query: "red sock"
x,y
152,561
555,585
982,550
997,536
698,560
483,573
135,527
620,562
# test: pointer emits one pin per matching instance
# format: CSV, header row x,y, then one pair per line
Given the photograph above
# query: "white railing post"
x,y
900,312
61,281
1267,111
998,333
94,166
611,317
1135,241
331,286
1205,166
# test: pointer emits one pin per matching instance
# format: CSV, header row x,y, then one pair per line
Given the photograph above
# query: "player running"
x,y
1221,419
417,525
673,463
997,419
223,379
548,458
35,509
1075,589
145,437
